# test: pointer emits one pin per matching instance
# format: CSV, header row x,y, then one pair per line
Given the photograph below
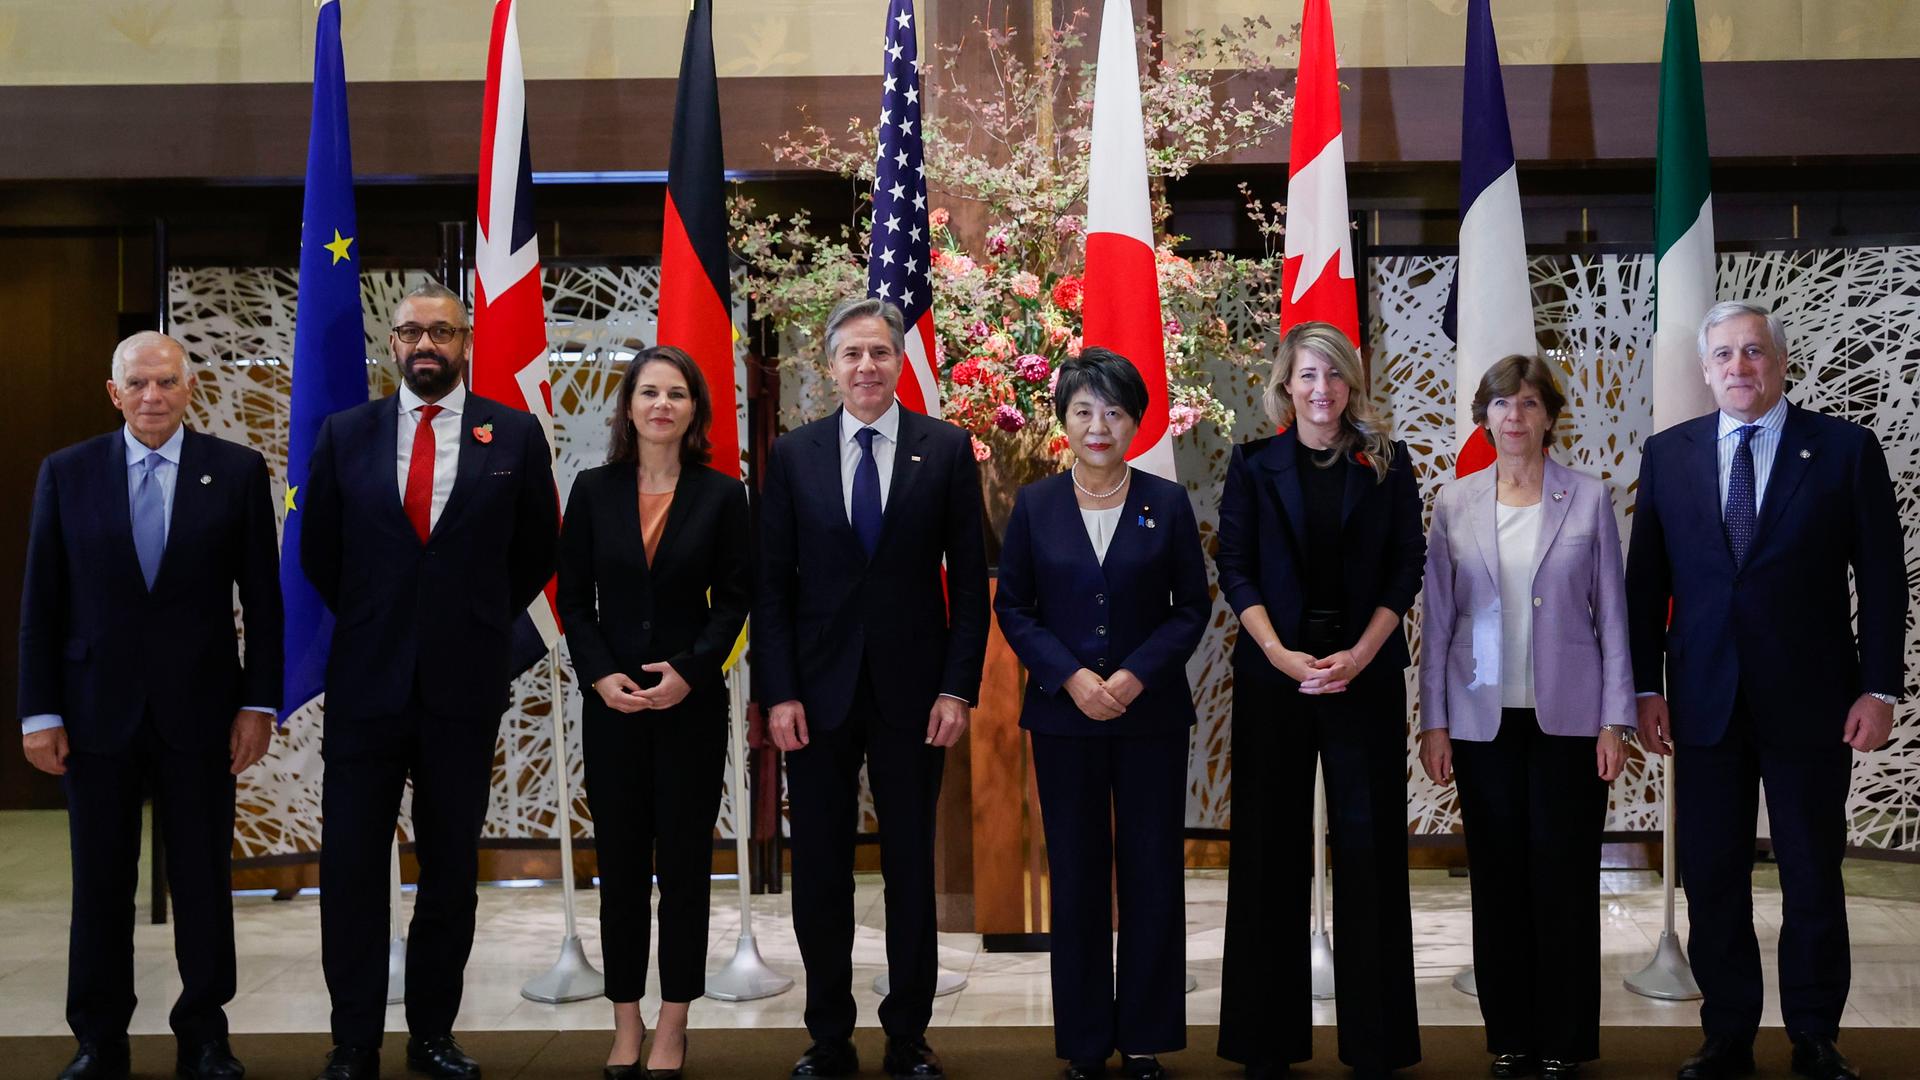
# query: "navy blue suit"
x,y
1760,665
1359,738
1142,610
416,681
147,683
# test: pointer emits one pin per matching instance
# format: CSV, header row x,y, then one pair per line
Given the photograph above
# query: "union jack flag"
x,y
898,263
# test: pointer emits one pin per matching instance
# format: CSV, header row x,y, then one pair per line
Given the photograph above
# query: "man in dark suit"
x,y
131,678
864,655
1747,521
430,527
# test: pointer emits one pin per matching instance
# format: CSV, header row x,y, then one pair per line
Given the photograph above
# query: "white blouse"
x,y
1519,535
1100,528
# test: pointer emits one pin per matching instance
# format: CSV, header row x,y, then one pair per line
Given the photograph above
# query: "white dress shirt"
x,y
1518,537
1100,528
1764,444
886,439
167,475
446,444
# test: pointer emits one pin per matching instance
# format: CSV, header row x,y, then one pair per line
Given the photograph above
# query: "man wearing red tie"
x,y
430,526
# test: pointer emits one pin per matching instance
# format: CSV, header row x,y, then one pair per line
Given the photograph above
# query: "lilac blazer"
x,y
1582,671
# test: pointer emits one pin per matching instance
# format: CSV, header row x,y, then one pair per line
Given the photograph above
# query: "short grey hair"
x,y
122,353
1726,310
867,307
433,290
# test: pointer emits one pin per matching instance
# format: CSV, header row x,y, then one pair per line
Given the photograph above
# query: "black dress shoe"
x,y
622,1072
352,1063
1719,1058
211,1060
673,1073
1558,1069
828,1057
1816,1057
912,1059
1268,1070
1507,1066
1142,1068
1085,1070
441,1057
99,1059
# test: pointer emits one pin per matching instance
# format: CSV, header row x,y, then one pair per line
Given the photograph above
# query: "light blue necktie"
x,y
149,519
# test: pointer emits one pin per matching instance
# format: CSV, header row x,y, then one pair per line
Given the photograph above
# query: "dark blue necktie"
x,y
149,519
1740,514
866,493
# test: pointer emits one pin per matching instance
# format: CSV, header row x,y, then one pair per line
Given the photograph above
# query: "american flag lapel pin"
x,y
206,478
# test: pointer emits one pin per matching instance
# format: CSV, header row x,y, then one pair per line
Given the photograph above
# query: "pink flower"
x,y
1026,286
1181,418
957,265
981,451
939,218
1008,419
997,243
1075,344
978,330
1172,327
1001,346
939,353
1031,367
1058,333
1068,293
1053,381
1067,225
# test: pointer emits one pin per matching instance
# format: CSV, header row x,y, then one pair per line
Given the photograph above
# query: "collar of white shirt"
x,y
450,405
888,424
1773,421
137,451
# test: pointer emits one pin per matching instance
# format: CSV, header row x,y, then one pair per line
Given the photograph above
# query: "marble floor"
x,y
520,928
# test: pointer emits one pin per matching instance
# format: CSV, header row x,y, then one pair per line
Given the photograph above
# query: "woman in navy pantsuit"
x,y
1320,555
655,566
1103,596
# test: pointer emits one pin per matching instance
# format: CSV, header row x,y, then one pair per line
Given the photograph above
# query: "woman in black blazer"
x,y
1321,554
655,573
1103,596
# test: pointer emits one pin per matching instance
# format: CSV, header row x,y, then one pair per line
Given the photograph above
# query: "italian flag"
x,y
1683,287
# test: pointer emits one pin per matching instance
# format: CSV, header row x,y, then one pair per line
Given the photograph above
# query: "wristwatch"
x,y
1888,698
1626,734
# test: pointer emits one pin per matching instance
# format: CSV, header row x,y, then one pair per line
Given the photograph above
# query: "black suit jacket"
x,y
1781,627
441,612
1143,609
1263,545
101,650
823,608
686,608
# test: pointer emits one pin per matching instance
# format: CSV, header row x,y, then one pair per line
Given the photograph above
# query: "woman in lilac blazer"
x,y
1526,688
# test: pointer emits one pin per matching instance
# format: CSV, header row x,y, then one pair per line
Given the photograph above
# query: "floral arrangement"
x,y
1011,159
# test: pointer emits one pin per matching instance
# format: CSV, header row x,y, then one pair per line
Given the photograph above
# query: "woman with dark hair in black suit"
x,y
1321,554
655,580
1103,596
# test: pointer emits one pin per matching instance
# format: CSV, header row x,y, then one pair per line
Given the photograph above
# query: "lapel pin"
x,y
916,457
484,433
1558,495
206,479
1805,454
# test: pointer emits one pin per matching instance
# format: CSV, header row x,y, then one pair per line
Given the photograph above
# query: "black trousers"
x,y
1266,995
653,782
1092,790
823,792
1716,791
193,801
368,763
1534,807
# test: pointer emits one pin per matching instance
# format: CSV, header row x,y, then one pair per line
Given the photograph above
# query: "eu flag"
x,y
329,349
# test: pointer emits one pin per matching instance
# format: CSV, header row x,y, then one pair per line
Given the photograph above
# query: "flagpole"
x,y
397,943
1667,976
572,976
746,977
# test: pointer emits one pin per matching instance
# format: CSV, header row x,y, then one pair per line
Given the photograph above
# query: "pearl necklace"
x,y
1074,471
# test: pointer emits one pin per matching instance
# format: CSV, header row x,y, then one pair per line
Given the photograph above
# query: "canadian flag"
x,y
1317,281
1122,300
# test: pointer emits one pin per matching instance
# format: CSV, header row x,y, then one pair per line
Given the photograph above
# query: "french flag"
x,y
1121,308
1490,313
509,309
1316,281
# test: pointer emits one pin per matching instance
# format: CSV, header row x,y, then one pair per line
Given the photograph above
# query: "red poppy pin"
x,y
1363,460
484,433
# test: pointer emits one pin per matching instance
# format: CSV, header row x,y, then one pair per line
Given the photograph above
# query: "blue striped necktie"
x,y
1740,510
149,519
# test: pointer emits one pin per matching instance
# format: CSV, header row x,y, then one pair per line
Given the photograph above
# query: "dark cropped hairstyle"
x,y
1106,375
1506,377
696,448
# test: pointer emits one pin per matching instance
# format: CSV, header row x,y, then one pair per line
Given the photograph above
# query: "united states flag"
x,y
898,265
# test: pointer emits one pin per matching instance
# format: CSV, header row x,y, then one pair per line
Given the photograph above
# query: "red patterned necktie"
x,y
419,497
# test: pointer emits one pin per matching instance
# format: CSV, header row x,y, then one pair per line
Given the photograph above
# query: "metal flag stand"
x,y
572,976
746,977
1668,975
1320,949
397,945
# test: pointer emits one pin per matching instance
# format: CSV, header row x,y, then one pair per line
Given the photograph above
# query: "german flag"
x,y
696,305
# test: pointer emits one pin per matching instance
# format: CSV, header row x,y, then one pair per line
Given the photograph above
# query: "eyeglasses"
x,y
441,333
